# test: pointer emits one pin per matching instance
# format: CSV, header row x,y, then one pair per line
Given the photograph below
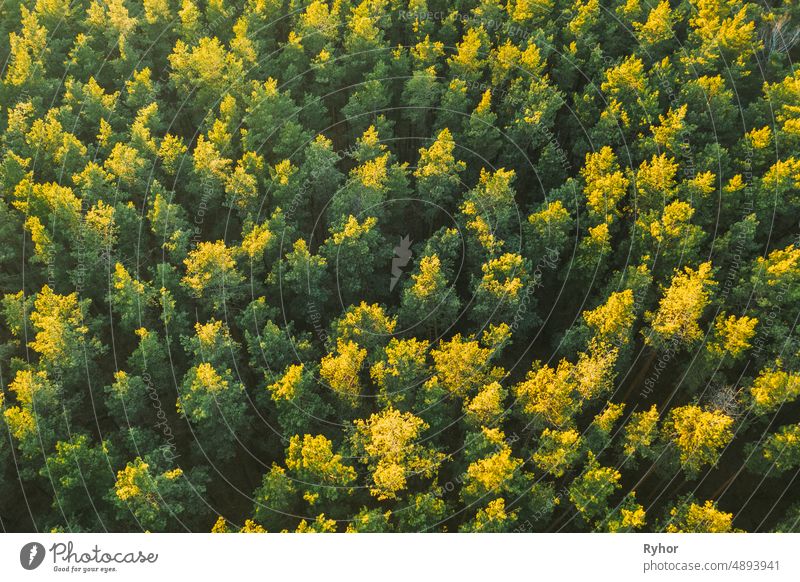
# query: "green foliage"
x,y
591,490
205,303
80,474
153,500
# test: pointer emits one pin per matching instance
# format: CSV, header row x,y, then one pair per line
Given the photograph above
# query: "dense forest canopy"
x,y
436,265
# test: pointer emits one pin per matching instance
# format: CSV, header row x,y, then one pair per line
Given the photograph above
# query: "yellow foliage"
x,y
60,327
286,387
613,320
558,449
696,518
640,431
773,388
681,307
341,370
388,443
698,434
732,335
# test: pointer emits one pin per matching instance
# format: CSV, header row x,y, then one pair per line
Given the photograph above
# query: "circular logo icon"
x,y
31,555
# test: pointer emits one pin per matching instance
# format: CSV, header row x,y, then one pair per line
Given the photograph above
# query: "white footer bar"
x,y
406,557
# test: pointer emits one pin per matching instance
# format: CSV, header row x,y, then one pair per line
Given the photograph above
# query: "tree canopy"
x,y
368,266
